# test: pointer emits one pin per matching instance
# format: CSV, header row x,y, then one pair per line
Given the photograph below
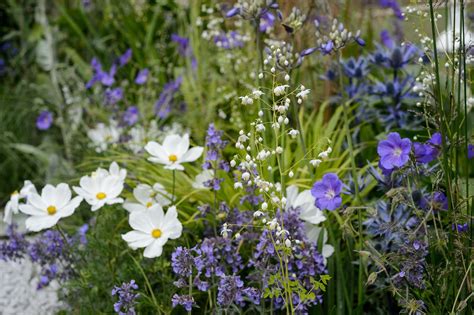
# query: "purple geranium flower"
x,y
130,117
425,153
328,192
394,152
44,120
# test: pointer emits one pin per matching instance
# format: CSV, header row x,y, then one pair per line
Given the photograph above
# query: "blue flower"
x,y
44,120
328,192
470,151
394,152
142,76
127,298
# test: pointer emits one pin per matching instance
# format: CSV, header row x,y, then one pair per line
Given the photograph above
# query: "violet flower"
x,y
44,120
328,192
127,298
470,151
125,58
142,76
394,152
130,116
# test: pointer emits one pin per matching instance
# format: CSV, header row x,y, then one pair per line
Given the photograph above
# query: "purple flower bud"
x,y
142,77
232,12
130,116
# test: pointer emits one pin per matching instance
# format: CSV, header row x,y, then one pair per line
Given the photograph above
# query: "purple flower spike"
x,y
394,152
44,120
328,192
142,77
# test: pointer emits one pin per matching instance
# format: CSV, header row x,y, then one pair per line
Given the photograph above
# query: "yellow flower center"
x,y
153,194
156,233
51,210
149,204
101,195
15,193
173,158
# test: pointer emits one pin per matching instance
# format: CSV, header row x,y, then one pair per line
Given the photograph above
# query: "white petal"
x,y
38,223
63,195
159,153
291,194
328,250
153,250
36,201
137,239
192,155
140,221
142,193
31,210
48,194
173,144
156,216
132,207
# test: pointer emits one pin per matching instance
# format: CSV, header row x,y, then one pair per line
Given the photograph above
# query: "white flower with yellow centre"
x,y
152,229
46,210
114,171
12,205
100,189
174,151
148,196
102,136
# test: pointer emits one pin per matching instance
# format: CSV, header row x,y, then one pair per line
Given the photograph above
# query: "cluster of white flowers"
x,y
103,136
337,34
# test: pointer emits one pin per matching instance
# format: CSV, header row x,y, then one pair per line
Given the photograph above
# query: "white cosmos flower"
x,y
102,136
114,171
152,229
314,233
147,197
46,210
100,189
304,201
201,178
174,151
12,205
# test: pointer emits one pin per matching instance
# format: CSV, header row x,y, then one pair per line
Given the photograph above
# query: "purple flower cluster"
x,y
131,115
187,301
231,290
214,159
328,192
15,247
126,298
412,264
230,40
107,78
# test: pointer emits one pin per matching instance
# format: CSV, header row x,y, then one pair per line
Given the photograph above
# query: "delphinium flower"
x,y
12,205
15,247
167,96
44,120
152,229
147,196
102,136
327,192
394,152
131,115
174,151
142,76
102,187
127,298
47,209
214,160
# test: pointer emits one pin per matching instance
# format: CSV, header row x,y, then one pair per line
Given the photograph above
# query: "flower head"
x,y
127,298
102,136
328,192
152,229
12,205
44,120
102,187
394,152
130,116
174,151
142,76
46,209
147,196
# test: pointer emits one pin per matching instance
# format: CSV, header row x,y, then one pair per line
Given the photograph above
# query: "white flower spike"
x,y
152,229
46,210
173,152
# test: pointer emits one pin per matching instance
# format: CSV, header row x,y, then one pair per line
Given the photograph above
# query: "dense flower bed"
x,y
242,157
